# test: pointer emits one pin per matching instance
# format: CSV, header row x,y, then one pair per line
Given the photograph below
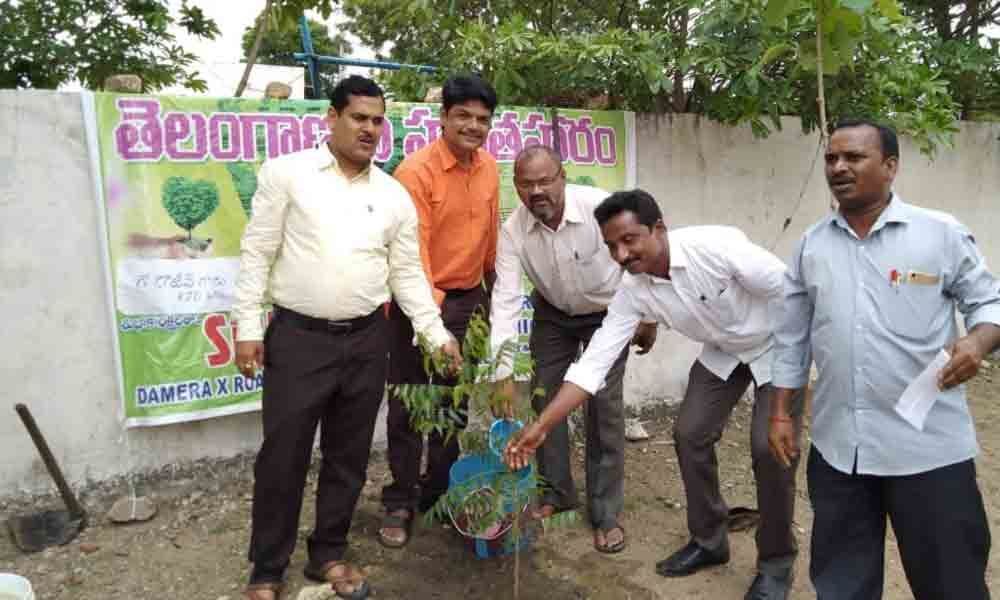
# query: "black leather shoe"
x,y
769,587
691,559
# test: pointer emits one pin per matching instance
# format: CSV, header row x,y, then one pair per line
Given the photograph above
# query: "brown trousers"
x,y
409,489
707,405
315,373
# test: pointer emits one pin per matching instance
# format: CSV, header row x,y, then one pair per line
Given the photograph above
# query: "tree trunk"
x,y
259,29
942,19
820,63
679,99
820,93
967,81
973,11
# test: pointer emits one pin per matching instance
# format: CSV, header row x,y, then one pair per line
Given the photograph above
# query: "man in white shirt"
x,y
554,239
328,238
714,286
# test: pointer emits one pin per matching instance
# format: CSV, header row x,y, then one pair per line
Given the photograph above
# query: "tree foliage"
x,y
736,61
46,43
487,506
189,202
438,409
279,43
957,45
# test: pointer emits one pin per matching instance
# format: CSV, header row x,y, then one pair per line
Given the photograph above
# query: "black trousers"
x,y
315,372
938,519
406,365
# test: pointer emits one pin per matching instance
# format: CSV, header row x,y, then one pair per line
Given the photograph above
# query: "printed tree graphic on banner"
x,y
245,181
189,202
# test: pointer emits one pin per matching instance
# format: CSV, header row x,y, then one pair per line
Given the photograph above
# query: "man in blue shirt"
x,y
870,295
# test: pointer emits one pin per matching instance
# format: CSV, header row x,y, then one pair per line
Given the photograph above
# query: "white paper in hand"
x,y
920,395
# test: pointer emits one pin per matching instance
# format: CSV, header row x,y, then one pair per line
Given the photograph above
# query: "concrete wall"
x,y
57,353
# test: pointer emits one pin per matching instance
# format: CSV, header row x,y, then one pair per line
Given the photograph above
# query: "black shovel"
x,y
32,533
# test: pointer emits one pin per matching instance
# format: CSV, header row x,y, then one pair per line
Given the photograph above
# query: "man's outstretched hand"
x,y
522,446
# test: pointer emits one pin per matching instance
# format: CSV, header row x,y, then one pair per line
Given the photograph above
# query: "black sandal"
x,y
741,518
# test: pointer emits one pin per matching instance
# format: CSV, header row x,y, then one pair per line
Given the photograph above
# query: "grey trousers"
x,y
556,341
703,415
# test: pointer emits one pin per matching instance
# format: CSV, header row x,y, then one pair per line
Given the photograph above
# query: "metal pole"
x,y
309,57
362,62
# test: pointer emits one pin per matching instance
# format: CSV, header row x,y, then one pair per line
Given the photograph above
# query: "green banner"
x,y
177,178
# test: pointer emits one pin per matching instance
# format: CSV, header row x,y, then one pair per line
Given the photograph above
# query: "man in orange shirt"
x,y
455,186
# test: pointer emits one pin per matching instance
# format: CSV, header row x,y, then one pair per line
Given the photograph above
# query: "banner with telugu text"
x,y
177,176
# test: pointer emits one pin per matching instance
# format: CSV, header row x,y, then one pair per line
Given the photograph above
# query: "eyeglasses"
x,y
542,183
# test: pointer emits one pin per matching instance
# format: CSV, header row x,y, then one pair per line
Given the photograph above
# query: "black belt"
x,y
458,292
342,327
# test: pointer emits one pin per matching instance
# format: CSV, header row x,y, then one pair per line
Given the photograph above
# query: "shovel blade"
x,y
32,533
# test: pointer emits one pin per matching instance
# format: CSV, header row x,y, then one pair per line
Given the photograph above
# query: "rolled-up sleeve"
x,y
505,304
976,290
793,321
607,343
258,247
408,281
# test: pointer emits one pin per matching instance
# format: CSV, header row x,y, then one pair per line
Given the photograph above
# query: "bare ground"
x,y
196,546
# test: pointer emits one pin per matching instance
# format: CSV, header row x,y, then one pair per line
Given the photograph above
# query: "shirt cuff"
x,y
989,313
250,329
581,376
438,336
789,380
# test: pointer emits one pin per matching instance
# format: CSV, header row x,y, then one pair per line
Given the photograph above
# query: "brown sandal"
x,y
352,576
394,520
253,590
607,548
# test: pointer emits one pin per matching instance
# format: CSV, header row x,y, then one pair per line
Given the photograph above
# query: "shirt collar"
x,y
678,260
896,211
325,159
448,159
